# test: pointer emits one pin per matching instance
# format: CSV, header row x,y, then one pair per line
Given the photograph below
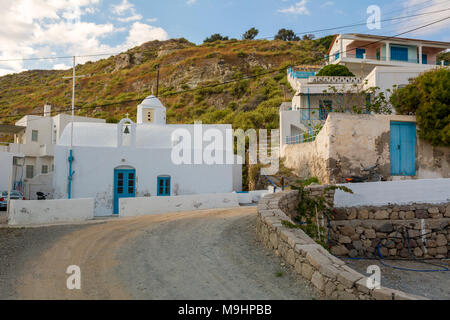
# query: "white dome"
x,y
152,102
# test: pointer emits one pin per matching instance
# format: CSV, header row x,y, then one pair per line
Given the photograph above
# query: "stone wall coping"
x,y
329,274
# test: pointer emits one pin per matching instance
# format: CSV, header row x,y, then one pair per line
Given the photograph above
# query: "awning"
x,y
7,128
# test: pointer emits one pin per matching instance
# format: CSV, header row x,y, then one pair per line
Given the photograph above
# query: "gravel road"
x,y
198,255
432,285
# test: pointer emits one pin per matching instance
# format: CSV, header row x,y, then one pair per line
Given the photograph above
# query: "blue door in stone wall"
x,y
403,149
124,186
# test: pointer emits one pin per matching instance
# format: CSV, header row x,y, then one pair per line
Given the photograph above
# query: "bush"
x,y
286,35
335,70
215,37
428,97
250,34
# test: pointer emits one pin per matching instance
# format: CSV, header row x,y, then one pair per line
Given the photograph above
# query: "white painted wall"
x,y
31,212
394,192
130,207
6,164
94,174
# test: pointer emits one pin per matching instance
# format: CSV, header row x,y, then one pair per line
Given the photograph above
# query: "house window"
x,y
325,107
360,53
34,135
44,169
30,172
164,186
53,168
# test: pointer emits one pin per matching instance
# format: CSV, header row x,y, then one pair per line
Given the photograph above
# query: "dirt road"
x,y
198,255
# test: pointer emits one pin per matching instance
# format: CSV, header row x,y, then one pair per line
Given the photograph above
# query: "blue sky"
x,y
51,28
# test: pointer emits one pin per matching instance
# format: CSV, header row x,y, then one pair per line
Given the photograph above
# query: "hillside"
x,y
184,67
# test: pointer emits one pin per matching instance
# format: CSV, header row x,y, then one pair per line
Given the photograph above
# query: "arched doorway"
x,y
124,185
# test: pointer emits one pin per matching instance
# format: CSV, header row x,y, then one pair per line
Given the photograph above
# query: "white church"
x,y
113,161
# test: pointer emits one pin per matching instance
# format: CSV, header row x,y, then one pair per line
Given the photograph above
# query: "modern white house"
x,y
114,161
376,61
33,148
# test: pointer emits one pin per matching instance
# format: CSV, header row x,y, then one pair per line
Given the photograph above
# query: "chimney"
x,y
47,110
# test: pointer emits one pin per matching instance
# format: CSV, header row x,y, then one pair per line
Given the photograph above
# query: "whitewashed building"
x,y
113,161
32,151
376,62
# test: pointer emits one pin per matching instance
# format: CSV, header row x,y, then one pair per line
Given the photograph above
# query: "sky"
x,y
55,28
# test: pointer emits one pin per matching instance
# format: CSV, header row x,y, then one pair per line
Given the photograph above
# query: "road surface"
x,y
210,254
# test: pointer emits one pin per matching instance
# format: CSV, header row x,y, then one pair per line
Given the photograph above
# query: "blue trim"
x,y
124,186
403,149
71,173
163,186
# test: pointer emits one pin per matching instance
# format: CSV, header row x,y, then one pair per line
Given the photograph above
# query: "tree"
x,y
336,70
286,35
250,34
215,37
428,97
309,37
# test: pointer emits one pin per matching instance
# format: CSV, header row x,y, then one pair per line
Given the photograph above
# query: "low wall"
x,y
393,217
418,230
129,207
394,192
29,212
330,275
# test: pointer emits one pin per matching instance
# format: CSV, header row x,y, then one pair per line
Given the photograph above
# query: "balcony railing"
x,y
314,113
300,74
377,58
308,136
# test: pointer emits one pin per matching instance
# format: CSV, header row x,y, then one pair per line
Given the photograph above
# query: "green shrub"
x,y
428,97
336,70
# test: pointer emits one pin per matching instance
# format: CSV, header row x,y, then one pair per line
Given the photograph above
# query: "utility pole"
x,y
157,80
71,172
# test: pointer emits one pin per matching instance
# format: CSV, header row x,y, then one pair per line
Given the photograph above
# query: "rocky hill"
x,y
189,75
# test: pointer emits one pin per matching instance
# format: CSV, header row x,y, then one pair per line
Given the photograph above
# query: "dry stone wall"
x,y
330,275
418,230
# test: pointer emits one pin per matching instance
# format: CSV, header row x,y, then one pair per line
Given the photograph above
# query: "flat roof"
x,y
8,128
377,37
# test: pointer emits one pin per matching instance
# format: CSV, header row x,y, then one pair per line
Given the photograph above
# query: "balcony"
x,y
30,150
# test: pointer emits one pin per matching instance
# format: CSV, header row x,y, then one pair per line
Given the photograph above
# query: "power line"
x,y
225,82
263,38
362,24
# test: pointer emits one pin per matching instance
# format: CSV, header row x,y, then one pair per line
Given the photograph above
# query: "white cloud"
x,y
140,33
61,66
327,4
411,7
299,8
191,2
43,28
123,8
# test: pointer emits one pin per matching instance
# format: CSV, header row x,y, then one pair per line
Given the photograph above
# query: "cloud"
x,y
61,66
191,2
327,4
298,9
140,33
123,8
411,7
44,28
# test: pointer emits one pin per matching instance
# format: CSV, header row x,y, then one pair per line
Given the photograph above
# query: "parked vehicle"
x,y
15,195
371,175
41,196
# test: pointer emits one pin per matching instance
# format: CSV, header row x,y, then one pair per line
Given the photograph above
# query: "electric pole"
x,y
71,172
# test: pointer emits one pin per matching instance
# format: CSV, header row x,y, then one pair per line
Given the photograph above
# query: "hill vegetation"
x,y
191,78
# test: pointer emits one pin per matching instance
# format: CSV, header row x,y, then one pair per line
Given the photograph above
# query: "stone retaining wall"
x,y
422,230
330,275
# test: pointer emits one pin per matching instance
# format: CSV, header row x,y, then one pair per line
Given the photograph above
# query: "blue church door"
x,y
124,186
403,148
